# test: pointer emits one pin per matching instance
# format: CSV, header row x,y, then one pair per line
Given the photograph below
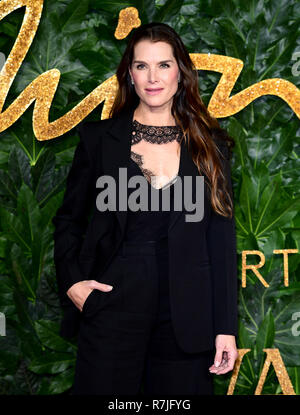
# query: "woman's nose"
x,y
152,76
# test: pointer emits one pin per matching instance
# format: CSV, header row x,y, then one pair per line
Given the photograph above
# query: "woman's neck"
x,y
158,120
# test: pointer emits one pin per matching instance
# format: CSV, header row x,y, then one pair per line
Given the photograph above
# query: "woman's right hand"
x,y
80,291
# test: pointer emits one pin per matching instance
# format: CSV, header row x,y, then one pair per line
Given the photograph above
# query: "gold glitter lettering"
x,y
253,267
236,370
273,356
285,253
43,88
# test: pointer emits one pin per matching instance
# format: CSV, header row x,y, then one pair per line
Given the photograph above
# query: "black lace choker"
x,y
155,134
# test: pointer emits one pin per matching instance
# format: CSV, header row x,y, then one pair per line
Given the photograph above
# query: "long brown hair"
x,y
191,115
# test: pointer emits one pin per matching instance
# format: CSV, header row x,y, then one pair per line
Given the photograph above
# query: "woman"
x,y
151,293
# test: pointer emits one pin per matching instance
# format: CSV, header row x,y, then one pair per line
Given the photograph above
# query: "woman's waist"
x,y
144,247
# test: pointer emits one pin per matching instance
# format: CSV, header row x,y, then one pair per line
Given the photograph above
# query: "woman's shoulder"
x,y
90,133
93,128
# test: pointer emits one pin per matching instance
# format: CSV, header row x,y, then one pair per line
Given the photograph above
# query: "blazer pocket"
x,y
87,300
93,303
204,263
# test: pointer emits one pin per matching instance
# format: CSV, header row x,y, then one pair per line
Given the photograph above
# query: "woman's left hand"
x,y
226,354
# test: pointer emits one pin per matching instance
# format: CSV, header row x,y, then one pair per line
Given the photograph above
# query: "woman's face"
x,y
154,68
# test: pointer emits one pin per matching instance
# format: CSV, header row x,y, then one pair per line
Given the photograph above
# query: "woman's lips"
x,y
153,91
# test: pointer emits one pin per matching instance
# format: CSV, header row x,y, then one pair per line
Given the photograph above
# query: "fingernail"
x,y
109,287
217,364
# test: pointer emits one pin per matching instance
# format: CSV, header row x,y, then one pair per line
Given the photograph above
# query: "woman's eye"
x,y
141,64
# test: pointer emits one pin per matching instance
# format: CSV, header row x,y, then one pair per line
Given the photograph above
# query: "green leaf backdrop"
x,y
78,39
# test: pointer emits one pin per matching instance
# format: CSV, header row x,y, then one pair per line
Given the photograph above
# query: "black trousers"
x,y
126,342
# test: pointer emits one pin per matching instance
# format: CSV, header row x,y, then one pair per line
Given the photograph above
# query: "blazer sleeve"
x,y
71,218
223,253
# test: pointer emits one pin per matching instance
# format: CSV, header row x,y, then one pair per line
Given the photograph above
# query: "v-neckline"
x,y
169,183
172,181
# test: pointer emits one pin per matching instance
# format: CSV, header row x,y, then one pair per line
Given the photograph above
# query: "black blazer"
x,y
202,255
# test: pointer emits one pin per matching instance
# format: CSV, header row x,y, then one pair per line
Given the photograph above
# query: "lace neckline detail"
x,y
137,159
155,134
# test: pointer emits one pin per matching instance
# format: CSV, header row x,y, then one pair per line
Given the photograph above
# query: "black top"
x,y
148,225
143,225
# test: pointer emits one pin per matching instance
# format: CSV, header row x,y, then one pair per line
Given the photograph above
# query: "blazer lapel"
x,y
186,168
116,148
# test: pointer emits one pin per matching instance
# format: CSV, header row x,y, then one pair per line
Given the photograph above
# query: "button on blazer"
x,y
202,255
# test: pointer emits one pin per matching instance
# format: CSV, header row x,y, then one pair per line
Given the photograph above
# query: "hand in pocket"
x,y
80,291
